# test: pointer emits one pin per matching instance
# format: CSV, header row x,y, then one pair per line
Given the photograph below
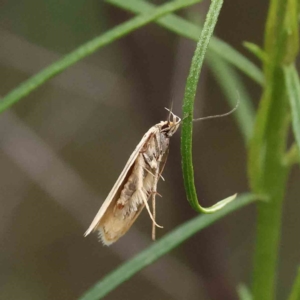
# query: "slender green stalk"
x,y
270,180
267,172
160,248
90,47
188,109
189,30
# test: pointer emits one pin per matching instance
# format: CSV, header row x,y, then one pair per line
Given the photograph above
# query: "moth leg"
x,y
148,171
153,174
156,193
154,216
154,202
158,173
150,213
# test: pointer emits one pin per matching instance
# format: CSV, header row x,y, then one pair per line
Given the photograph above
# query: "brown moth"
x,y
136,184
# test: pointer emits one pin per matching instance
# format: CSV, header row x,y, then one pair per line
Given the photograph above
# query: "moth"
x,y
136,184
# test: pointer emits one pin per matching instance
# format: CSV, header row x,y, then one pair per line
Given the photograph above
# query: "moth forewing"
x,y
109,199
135,185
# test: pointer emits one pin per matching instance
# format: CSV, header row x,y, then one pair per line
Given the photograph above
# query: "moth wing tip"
x,y
86,233
102,237
89,230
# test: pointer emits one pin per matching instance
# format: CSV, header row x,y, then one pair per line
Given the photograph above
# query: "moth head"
x,y
172,124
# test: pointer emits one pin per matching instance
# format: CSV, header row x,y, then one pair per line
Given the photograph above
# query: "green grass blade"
x,y
256,50
293,89
187,29
160,248
188,110
90,47
295,294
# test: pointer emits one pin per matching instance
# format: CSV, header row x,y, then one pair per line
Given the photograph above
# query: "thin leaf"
x,y
160,248
87,49
293,89
191,31
256,50
188,109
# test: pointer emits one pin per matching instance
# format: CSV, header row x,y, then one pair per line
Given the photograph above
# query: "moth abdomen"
x,y
128,190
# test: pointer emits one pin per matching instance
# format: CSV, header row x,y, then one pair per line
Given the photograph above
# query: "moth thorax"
x,y
165,141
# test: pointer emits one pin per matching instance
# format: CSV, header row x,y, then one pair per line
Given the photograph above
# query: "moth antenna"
x,y
174,116
222,115
170,111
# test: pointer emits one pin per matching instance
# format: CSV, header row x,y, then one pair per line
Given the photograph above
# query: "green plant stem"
x,y
188,109
160,248
90,47
271,181
267,172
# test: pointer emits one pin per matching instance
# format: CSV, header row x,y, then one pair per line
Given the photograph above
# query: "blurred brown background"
x,y
63,147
